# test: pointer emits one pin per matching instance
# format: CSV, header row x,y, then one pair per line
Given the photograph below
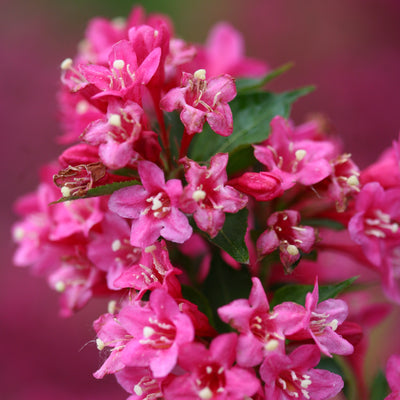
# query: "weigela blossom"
x,y
294,159
261,330
158,330
201,99
392,376
293,376
153,207
207,197
286,233
320,322
210,374
376,220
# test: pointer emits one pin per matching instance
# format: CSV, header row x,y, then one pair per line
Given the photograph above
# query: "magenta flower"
x,y
207,197
393,377
294,159
117,134
200,99
210,374
152,270
158,331
288,235
111,251
261,330
153,207
320,322
292,376
375,224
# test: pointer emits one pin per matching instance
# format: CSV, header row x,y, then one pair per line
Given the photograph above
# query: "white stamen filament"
x,y
208,369
150,249
138,390
148,331
353,181
271,345
112,305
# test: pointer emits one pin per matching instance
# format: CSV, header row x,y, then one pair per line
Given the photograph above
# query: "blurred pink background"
x,y
350,49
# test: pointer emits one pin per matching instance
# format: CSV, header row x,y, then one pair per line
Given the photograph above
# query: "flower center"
x,y
160,205
158,335
210,380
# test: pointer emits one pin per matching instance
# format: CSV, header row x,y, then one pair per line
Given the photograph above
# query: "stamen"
x,y
199,195
118,64
208,369
300,154
66,64
116,245
292,250
100,344
18,233
271,345
138,390
66,191
148,331
353,181
60,286
112,305
115,120
150,249
82,107
205,393
200,74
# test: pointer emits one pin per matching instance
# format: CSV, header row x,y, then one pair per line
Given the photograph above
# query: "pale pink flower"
x,y
152,270
375,224
210,374
224,53
153,207
292,158
158,331
201,99
393,377
110,250
286,233
292,376
261,330
207,197
320,322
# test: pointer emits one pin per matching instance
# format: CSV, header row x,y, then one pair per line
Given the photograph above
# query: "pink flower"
x,y
393,377
320,322
153,207
375,224
110,250
158,331
210,374
200,99
261,330
292,376
152,270
207,197
294,159
263,186
224,53
117,134
288,235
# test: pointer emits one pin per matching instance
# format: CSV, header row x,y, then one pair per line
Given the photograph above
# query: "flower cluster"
x,y
187,196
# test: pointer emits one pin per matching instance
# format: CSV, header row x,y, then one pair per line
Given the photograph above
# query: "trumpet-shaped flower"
x,y
153,207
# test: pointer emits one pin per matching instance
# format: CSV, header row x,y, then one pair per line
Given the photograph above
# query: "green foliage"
x,y
223,285
252,114
231,236
379,387
297,293
100,191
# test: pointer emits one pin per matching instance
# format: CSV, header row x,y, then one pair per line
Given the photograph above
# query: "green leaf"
x,y
100,191
252,114
223,285
297,293
251,84
198,298
231,236
380,387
